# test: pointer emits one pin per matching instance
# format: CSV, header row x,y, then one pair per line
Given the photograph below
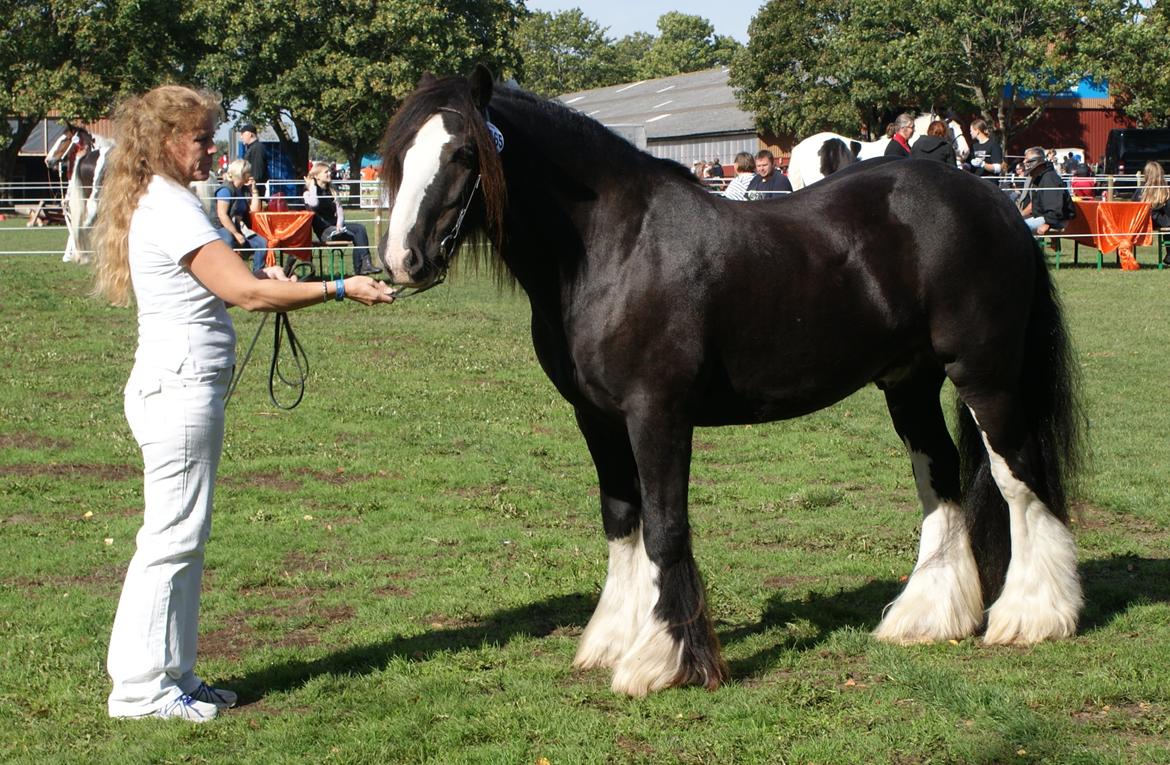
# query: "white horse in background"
x,y
804,164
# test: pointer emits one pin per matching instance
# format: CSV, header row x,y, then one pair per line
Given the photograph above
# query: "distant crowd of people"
x,y
1036,182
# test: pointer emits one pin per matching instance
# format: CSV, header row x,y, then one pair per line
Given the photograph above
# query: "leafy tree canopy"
x,y
848,65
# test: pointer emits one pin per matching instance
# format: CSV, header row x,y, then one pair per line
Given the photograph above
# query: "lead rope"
x,y
282,327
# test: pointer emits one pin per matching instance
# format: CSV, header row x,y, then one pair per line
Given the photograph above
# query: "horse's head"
x,y
438,156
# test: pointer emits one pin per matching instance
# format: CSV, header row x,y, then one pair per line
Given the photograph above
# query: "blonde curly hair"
x,y
146,127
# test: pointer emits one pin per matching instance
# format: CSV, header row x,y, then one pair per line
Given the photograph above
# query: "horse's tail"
x,y
1049,388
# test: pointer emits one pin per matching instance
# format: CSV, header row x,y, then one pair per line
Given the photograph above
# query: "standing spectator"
x,y
744,166
256,155
767,177
155,244
935,145
235,201
986,154
329,218
1048,205
715,169
899,145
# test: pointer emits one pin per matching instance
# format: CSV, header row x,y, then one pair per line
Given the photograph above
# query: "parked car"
x,y
1128,149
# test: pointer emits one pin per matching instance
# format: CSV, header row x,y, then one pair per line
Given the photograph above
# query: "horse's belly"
x,y
725,402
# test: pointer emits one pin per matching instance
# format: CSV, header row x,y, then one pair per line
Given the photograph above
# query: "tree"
x,y
686,43
1128,46
788,75
342,81
842,64
77,57
565,52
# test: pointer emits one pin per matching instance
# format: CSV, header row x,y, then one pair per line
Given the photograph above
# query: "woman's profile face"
x,y
195,151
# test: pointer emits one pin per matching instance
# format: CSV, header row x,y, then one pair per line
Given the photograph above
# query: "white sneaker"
x,y
187,708
221,697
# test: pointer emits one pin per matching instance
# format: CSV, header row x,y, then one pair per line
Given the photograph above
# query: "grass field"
x,y
400,568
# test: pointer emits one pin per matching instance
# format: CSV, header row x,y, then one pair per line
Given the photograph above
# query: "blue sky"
x,y
730,17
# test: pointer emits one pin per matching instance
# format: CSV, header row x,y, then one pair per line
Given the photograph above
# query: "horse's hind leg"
x,y
1041,596
942,599
630,590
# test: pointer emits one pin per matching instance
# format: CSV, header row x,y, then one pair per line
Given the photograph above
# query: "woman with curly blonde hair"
x,y
156,244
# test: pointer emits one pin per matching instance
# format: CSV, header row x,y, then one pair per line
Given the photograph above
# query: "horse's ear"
x,y
481,86
426,79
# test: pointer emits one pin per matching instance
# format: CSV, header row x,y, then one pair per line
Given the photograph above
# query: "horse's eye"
x,y
465,155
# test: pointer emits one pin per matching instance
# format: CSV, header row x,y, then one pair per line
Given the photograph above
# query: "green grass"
x,y
400,568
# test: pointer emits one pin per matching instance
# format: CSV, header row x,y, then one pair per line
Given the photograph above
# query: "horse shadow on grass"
x,y
1112,585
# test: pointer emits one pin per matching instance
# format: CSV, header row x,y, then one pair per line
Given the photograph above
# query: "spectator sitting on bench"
x,y
235,201
329,218
1048,204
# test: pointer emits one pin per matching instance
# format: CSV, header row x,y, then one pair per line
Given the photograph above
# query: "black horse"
x,y
658,307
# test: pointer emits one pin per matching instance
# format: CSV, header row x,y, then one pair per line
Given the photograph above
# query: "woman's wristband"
x,y
339,287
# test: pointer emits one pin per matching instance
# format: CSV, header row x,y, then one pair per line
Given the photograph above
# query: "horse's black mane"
x,y
588,137
450,93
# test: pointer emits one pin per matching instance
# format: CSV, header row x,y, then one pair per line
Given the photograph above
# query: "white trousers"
x,y
178,421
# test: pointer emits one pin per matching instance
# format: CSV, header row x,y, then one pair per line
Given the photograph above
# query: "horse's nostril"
x,y
413,259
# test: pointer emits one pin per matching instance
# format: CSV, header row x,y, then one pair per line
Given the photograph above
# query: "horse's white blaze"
x,y
1041,596
419,168
627,599
942,599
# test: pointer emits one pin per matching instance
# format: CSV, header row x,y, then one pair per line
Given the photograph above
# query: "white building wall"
x,y
687,151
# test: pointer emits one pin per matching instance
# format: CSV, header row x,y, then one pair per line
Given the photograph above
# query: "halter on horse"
x,y
658,307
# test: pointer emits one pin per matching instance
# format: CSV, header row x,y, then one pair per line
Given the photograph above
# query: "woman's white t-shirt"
x,y
181,324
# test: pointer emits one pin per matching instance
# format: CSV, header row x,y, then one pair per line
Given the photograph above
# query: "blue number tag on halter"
x,y
497,136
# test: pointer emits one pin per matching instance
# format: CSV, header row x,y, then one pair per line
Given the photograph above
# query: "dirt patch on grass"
x,y
634,747
22,440
1085,515
268,479
72,470
104,579
444,622
298,624
336,477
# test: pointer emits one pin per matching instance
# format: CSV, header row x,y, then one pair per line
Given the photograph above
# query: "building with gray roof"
x,y
687,117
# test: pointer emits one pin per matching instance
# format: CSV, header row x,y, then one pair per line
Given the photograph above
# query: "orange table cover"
x,y
1113,226
285,230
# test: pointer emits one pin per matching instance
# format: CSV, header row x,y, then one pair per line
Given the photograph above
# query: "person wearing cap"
x,y
256,156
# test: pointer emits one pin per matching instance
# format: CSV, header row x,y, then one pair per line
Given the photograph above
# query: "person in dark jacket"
x,y
934,145
768,178
256,156
899,145
1048,205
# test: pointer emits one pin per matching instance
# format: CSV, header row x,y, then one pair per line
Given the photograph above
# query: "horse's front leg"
x,y
675,643
630,590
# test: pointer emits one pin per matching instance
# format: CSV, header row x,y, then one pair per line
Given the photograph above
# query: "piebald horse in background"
x,y
658,307
805,165
81,160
